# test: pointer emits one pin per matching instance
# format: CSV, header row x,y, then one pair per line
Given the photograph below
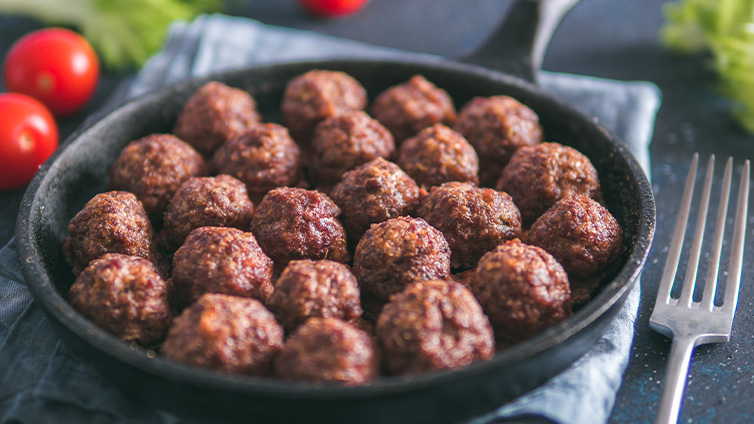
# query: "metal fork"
x,y
690,323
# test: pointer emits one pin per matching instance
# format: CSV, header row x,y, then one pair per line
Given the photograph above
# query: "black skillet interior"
x,y
66,183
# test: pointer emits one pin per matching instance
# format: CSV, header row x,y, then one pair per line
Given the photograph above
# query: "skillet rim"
x,y
54,303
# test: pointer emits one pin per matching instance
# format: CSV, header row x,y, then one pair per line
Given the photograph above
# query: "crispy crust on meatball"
x,y
522,289
433,325
225,333
473,220
331,350
153,167
125,296
538,176
214,114
374,192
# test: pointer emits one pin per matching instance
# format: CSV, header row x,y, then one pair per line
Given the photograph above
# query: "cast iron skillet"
x,y
67,181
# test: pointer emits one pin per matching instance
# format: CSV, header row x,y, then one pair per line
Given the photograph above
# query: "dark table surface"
x,y
606,38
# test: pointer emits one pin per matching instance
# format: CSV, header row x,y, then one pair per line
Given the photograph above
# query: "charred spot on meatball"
x,y
292,223
408,108
433,325
344,142
522,289
125,296
473,220
328,350
214,114
584,237
225,333
398,252
264,157
153,167
497,126
307,288
538,176
374,192
220,260
111,222
317,95
220,201
438,155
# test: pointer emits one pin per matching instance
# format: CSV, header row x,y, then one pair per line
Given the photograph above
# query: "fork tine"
x,y
690,281
710,285
737,249
674,254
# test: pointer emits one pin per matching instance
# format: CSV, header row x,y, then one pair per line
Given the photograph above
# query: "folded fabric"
x,y
41,381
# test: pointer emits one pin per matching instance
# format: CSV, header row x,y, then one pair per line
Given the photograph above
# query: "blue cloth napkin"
x,y
41,381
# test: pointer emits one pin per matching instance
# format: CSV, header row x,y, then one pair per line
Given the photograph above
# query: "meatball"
x,y
522,289
219,201
328,349
497,126
263,158
309,288
374,192
437,155
473,220
111,222
344,142
433,325
293,223
317,95
583,236
225,333
540,175
214,114
398,252
220,260
125,296
153,167
408,108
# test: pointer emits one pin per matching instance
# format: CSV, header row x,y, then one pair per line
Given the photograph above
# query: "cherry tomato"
x,y
332,7
28,136
56,66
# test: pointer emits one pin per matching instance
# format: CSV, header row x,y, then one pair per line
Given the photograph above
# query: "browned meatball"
x,y
293,223
317,95
473,220
522,289
583,236
225,333
408,108
309,288
125,296
374,192
219,201
328,349
220,260
433,325
497,126
437,155
263,158
538,176
153,167
111,222
344,142
398,252
214,114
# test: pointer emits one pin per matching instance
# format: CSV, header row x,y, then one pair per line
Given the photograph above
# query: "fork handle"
x,y
675,379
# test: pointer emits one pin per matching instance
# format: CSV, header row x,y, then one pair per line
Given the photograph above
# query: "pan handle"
x,y
518,45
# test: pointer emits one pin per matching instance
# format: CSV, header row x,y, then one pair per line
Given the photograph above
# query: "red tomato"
x,y
332,7
28,136
56,66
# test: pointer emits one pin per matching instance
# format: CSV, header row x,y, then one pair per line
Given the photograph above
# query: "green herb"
x,y
124,32
726,29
